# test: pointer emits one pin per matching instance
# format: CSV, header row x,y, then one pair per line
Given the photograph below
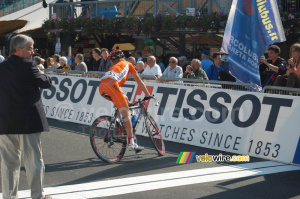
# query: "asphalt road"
x,y
74,171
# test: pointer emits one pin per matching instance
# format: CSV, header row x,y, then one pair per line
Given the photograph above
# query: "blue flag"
x,y
252,26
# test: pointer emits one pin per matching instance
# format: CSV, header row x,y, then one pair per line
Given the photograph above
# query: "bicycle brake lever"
x,y
156,101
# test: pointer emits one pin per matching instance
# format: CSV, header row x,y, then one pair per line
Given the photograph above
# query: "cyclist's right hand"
x,y
147,98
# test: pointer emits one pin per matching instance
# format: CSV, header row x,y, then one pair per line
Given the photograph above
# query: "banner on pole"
x,y
252,26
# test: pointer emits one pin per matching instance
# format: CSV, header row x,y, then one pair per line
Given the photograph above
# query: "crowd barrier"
x,y
187,82
281,90
258,124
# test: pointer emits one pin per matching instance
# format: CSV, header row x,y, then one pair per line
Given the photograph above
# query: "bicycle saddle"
x,y
106,96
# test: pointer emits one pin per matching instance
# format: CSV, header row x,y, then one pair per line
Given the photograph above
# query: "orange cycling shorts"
x,y
111,87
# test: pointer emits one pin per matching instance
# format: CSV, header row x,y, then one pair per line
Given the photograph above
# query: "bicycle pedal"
x,y
138,151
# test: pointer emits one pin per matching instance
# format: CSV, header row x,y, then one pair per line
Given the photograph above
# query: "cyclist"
x,y
111,84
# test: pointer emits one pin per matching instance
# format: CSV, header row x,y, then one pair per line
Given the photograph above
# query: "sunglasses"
x,y
294,50
172,62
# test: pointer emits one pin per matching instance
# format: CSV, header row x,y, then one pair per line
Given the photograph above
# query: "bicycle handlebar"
x,y
145,99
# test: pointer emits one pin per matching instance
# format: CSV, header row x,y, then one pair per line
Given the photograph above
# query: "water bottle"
x,y
133,120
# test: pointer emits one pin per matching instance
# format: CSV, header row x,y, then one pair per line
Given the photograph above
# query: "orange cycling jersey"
x,y
113,79
119,72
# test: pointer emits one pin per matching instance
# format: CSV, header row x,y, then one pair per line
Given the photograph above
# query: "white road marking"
x,y
160,181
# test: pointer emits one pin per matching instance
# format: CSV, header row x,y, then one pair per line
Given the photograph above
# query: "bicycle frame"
x,y
118,117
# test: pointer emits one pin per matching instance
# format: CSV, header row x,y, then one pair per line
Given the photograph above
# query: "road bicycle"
x,y
108,136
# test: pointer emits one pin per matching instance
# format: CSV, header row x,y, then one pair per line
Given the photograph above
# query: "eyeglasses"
x,y
172,62
294,50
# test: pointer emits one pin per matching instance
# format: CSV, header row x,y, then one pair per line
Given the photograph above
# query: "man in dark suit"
x,y
22,119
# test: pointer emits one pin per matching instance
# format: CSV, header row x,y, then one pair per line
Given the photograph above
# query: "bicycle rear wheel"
x,y
108,150
155,135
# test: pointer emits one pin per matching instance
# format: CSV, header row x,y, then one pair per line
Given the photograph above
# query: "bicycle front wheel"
x,y
155,135
108,148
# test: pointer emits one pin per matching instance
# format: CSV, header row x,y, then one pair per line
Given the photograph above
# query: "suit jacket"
x,y
81,67
21,108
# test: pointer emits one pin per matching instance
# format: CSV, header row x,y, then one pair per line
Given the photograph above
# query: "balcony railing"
x,y
141,7
11,6
136,7
289,5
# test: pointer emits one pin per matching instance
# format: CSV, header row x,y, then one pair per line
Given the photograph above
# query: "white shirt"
x,y
154,71
175,73
40,66
1,58
56,65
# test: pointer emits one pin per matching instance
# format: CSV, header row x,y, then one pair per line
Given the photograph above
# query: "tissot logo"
x,y
139,94
73,90
220,102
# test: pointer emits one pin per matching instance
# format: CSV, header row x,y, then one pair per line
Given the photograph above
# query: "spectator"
x,y
152,69
213,71
132,60
1,58
137,55
195,71
36,54
21,98
81,66
145,61
74,64
173,70
271,67
206,62
43,62
69,60
161,64
140,67
50,62
105,63
38,62
96,53
55,64
182,62
63,64
293,72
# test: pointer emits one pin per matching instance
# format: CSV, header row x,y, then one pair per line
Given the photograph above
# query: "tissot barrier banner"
x,y
251,27
259,124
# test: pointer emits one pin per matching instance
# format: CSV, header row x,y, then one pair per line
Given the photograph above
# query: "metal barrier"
x,y
136,7
281,90
165,80
210,84
180,81
95,74
74,73
99,74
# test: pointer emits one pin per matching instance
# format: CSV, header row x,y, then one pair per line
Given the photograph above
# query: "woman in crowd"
x,y
63,64
38,62
50,62
292,77
56,64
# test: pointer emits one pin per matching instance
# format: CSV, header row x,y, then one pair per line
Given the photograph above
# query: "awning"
x,y
10,26
35,15
124,46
